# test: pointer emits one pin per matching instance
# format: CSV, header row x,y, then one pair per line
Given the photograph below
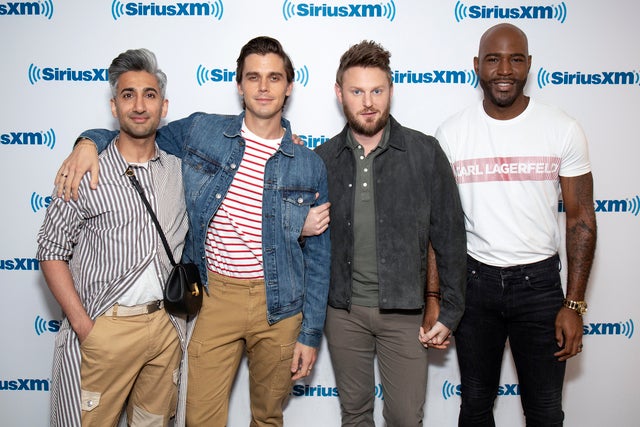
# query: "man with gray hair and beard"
x,y
105,264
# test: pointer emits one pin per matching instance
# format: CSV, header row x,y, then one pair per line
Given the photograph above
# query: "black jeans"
x,y
519,303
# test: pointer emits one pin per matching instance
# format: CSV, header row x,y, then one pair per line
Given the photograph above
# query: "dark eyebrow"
x,y
145,90
271,73
511,55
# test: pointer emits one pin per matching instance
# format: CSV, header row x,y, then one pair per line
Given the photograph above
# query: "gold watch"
x,y
580,307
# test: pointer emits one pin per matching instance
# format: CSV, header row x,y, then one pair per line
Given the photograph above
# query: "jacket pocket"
x,y
297,203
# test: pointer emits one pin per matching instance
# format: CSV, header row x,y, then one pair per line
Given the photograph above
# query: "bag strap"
x,y
138,187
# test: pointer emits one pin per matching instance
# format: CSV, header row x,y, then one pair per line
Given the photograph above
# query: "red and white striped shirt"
x,y
234,238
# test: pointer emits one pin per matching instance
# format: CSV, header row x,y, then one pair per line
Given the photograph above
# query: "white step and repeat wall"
x,y
53,84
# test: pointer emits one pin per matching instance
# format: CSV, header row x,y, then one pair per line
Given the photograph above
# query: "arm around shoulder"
x,y
83,159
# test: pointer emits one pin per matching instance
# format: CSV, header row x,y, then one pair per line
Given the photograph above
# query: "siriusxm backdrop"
x,y
53,85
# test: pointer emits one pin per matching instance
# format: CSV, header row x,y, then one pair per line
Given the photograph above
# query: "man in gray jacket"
x,y
392,193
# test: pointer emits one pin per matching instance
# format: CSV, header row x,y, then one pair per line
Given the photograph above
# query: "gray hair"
x,y
136,60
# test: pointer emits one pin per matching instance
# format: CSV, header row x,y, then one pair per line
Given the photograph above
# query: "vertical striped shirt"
x,y
109,240
234,237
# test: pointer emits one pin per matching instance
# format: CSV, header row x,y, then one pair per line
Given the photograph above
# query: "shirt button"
x,y
300,200
90,403
364,184
350,185
366,169
361,157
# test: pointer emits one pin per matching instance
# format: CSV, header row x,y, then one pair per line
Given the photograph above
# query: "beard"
x,y
366,127
503,99
138,131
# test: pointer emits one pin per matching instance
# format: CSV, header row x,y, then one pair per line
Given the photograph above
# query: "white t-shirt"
x,y
508,177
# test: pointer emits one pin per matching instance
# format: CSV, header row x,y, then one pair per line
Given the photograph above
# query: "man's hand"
x,y
436,337
430,318
296,139
317,220
83,159
303,359
84,330
568,334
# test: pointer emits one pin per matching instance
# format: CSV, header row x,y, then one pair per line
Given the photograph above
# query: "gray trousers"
x,y
355,338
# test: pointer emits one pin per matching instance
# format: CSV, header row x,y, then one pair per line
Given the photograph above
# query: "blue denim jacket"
x,y
211,148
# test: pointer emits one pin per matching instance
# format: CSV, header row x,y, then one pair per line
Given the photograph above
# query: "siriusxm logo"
x,y
578,78
213,8
25,384
450,390
39,202
41,8
224,75
621,328
23,264
436,76
306,390
351,10
47,139
41,325
551,12
631,206
48,74
311,141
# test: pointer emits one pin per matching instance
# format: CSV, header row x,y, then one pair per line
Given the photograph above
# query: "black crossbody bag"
x,y
183,289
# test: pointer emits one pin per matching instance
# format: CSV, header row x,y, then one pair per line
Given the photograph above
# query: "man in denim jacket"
x,y
392,192
248,190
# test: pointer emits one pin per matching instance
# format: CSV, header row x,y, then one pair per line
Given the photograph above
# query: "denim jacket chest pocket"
x,y
198,171
296,203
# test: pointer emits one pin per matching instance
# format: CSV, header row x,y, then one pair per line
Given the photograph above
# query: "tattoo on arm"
x,y
581,232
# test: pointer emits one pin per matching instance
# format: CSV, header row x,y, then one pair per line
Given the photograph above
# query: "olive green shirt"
x,y
364,286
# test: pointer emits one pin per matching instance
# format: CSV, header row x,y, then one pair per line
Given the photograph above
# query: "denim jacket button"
x,y
300,200
232,165
218,196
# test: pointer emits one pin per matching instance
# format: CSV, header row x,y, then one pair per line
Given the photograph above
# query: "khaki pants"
x,y
234,318
135,357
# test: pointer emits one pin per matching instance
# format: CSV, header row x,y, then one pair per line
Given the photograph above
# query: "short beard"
x,y
502,102
367,129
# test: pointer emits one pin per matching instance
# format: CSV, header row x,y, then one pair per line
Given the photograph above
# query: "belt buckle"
x,y
155,306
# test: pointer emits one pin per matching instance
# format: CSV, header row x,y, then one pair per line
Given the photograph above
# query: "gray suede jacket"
x,y
416,200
